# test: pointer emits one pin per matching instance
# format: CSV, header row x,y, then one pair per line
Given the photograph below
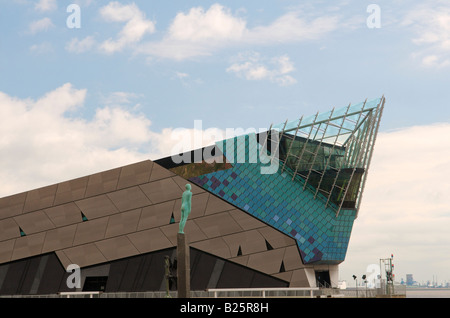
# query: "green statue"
x,y
186,199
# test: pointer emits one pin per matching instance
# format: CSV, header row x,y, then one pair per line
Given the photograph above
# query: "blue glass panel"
x,y
294,210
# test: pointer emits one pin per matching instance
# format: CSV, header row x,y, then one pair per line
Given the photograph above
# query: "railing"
x,y
265,292
216,293
362,292
308,292
90,294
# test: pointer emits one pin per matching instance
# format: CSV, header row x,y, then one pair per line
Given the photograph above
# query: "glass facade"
x,y
314,193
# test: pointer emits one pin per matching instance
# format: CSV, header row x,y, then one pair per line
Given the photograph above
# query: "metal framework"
x,y
331,152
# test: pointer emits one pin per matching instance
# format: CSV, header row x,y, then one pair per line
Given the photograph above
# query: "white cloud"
x,y
43,141
405,209
46,5
201,32
80,46
40,25
42,48
120,99
435,61
197,33
181,75
430,22
252,66
215,24
134,30
291,27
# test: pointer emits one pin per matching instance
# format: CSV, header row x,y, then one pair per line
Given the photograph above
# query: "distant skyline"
x,y
88,85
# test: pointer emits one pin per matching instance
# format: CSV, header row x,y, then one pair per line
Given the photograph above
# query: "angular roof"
x,y
313,144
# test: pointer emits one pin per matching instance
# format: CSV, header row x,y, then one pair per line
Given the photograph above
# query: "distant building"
x,y
409,280
289,227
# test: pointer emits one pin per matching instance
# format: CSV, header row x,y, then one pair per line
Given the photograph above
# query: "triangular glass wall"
x,y
330,152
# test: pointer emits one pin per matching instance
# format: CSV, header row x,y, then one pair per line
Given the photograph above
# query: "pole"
x,y
366,288
167,274
183,267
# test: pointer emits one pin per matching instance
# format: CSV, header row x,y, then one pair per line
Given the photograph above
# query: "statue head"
x,y
188,187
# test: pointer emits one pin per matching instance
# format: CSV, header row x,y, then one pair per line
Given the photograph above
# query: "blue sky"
x,y
74,101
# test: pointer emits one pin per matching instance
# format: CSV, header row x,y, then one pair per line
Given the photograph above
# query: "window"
x,y
95,283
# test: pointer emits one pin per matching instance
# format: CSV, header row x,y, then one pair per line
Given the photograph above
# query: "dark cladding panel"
x,y
265,281
102,182
161,190
218,225
64,214
182,184
202,266
96,207
159,172
122,223
149,240
90,231
129,275
216,204
11,284
27,246
40,198
154,274
135,174
71,190
116,248
34,222
59,238
44,274
6,249
116,273
157,215
144,266
54,277
29,274
8,229
84,255
139,273
41,274
235,276
199,202
12,205
129,199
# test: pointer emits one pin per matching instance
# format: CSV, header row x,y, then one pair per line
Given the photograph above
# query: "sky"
x,y
86,86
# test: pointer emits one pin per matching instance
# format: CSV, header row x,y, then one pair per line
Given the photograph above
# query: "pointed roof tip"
x,y
336,113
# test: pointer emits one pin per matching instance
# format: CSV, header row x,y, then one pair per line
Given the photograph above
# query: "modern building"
x,y
270,209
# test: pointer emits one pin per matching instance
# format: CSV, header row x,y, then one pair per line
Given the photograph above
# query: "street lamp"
x,y
365,282
356,279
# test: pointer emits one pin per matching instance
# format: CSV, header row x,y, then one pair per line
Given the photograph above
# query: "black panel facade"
x,y
44,274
